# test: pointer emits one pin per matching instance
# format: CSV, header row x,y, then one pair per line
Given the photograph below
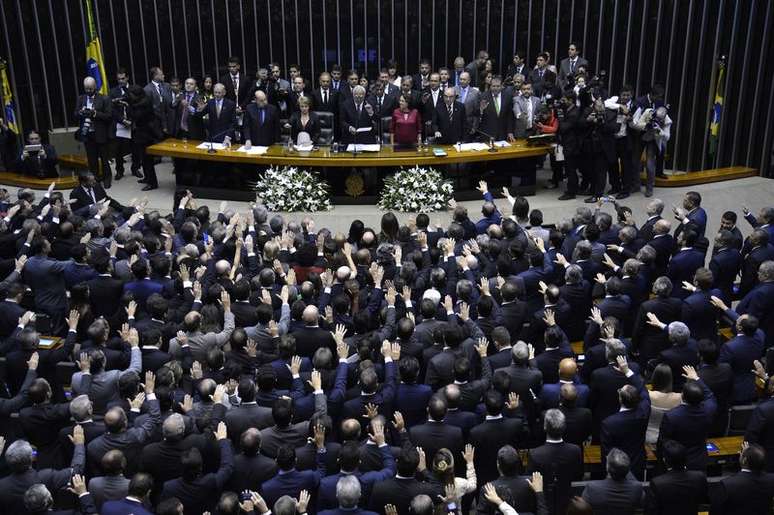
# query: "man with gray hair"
x,y
81,412
38,499
559,462
647,338
357,119
526,378
93,112
618,493
19,457
654,209
683,352
348,495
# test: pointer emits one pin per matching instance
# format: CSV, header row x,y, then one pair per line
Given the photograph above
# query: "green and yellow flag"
x,y
9,106
717,110
95,63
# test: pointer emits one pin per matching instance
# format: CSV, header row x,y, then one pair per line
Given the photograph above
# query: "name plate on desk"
x,y
364,147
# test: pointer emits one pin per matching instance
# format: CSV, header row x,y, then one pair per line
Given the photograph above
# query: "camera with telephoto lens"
x,y
86,114
599,79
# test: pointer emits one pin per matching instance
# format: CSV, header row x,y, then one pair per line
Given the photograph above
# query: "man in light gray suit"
x,y
469,96
104,383
525,108
113,485
570,64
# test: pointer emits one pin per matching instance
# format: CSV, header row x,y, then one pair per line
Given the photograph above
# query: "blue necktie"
x,y
263,113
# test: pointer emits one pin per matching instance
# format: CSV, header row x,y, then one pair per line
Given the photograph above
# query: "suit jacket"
x,y
759,302
293,481
80,198
626,429
560,464
720,379
523,497
241,97
536,79
433,435
100,123
349,117
261,134
521,114
678,356
677,491
10,312
548,363
743,493
218,127
312,126
566,68
108,488
452,131
162,101
251,472
578,297
740,352
123,507
399,492
195,127
689,425
682,267
514,315
471,101
604,384
614,497
550,394
309,339
202,494
697,220
488,437
326,494
498,126
246,416
579,424
332,106
162,460
760,430
384,106
649,340
664,245
411,400
725,265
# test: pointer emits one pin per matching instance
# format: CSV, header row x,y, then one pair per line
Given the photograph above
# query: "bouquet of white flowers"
x,y
416,189
292,189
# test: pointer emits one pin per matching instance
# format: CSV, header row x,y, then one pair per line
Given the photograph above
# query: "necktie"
x,y
464,94
158,92
91,194
184,116
235,80
217,107
529,112
572,65
263,115
497,105
451,113
358,109
325,96
540,74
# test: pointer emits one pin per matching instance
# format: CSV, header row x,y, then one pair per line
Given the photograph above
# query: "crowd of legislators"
x,y
237,362
601,136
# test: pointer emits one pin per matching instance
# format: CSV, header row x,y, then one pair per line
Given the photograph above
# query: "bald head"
x,y
89,85
260,98
222,267
567,369
342,273
219,90
662,227
452,393
350,429
568,395
310,315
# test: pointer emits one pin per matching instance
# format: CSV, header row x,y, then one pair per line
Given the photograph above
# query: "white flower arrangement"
x,y
292,189
416,189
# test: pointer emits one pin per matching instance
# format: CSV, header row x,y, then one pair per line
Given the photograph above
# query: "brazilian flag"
x,y
717,110
9,106
95,63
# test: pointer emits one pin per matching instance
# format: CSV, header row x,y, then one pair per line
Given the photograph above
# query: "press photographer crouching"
x,y
37,159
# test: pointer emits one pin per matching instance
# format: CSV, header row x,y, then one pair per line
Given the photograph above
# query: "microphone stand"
x,y
211,150
491,138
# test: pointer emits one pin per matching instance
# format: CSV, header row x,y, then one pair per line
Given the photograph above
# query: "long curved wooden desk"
x,y
323,157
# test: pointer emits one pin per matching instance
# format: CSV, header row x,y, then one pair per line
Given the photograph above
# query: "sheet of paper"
x,y
253,151
364,129
303,148
501,144
207,145
371,147
122,131
468,147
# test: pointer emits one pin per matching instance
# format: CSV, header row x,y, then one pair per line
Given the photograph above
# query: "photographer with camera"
x,y
623,180
37,159
599,146
655,125
546,122
653,99
121,127
94,114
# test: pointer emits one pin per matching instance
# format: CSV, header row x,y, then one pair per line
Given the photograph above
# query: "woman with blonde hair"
x,y
454,488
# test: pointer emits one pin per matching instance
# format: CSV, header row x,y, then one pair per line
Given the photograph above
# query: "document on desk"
x,y
467,147
364,129
253,151
363,147
207,145
501,144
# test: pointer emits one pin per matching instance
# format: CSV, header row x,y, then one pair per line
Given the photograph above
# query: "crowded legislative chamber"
x,y
386,257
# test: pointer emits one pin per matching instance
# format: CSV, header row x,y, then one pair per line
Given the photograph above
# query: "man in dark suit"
x,y
10,310
248,414
678,490
135,502
664,245
495,432
619,493
45,277
405,486
221,116
760,251
741,352
435,434
539,75
237,84
384,104
325,98
719,377
526,378
558,461
690,422
684,264
162,98
605,383
691,215
42,421
104,290
94,113
569,132
290,481
496,112
579,420
682,352
122,142
297,92
760,428
476,66
261,123
648,339
625,430
748,491
421,80
514,312
759,302
725,265
163,459
550,395
449,120
356,113
570,64
186,123
198,491
251,468
522,495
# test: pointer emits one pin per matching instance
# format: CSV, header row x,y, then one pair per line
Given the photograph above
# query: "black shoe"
x,y
149,187
142,181
119,176
591,200
137,173
622,195
662,176
648,194
567,196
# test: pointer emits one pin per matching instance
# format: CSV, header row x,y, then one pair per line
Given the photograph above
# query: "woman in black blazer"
x,y
304,120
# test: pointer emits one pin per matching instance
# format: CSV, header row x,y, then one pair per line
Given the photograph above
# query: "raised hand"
x,y
622,365
690,373
549,317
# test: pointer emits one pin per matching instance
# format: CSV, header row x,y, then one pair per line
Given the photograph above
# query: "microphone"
x,y
211,150
491,138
